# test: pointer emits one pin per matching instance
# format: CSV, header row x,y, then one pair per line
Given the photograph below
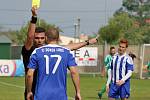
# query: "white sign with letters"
x,y
11,67
86,56
7,67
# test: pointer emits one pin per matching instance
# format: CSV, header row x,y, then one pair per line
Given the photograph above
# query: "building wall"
x,y
5,51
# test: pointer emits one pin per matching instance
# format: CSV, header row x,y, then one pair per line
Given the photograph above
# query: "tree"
x,y
140,9
131,21
11,35
146,35
134,35
116,28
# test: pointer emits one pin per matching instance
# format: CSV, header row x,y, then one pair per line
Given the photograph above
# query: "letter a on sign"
x,y
36,3
86,54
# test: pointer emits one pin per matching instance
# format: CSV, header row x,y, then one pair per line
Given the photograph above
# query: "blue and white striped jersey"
x,y
51,62
120,65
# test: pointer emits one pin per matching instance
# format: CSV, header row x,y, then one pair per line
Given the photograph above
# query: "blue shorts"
x,y
122,91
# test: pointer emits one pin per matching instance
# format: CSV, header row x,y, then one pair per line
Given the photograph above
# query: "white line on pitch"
x,y
13,85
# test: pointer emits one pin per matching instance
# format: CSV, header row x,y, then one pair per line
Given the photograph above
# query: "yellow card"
x,y
36,3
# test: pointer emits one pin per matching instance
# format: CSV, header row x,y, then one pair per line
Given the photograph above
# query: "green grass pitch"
x,y
12,88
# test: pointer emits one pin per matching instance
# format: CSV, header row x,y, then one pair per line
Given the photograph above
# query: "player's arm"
x,y
109,73
29,83
145,67
148,67
108,80
127,76
31,29
76,81
75,46
130,68
106,62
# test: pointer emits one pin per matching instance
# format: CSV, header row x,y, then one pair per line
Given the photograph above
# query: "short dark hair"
x,y
52,34
132,55
39,30
124,41
112,48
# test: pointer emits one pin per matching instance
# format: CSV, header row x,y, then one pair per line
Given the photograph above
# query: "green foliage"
x,y
116,27
131,5
146,36
128,22
134,35
44,24
11,35
22,34
108,33
139,9
122,21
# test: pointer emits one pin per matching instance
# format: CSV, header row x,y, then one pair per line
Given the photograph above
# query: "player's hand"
x,y
119,82
30,96
93,41
107,89
78,96
34,11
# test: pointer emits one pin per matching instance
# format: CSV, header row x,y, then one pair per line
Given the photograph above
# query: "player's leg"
x,y
113,93
125,91
100,93
148,74
25,95
103,90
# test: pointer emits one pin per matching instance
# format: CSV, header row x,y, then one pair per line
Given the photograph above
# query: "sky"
x,y
93,14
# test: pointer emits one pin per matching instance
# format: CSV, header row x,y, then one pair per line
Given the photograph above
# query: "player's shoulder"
x,y
108,55
37,49
58,46
54,46
27,50
148,64
115,55
128,56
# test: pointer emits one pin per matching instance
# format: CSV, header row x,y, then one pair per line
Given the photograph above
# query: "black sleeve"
x,y
26,56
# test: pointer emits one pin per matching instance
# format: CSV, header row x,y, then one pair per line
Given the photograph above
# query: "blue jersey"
x,y
52,62
120,66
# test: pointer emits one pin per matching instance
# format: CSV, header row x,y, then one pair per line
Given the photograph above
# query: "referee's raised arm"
x,y
31,29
